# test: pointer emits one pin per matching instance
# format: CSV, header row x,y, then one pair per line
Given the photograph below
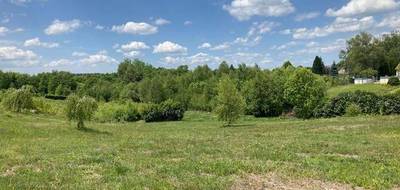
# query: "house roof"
x,y
398,67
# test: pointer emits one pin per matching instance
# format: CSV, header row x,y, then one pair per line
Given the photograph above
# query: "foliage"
x,y
390,104
80,109
117,112
304,91
230,104
394,81
318,66
353,110
369,103
166,111
266,96
19,100
365,52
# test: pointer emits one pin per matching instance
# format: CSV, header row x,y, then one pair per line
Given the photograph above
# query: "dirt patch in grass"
x,y
275,182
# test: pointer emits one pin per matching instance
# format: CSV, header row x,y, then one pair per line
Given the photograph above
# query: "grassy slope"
x,y
375,88
39,152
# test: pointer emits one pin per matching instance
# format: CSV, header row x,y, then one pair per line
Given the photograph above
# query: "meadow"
x,y
40,151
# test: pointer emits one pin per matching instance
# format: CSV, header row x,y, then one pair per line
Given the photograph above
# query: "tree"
x,y
80,109
304,91
318,66
266,96
334,70
230,104
287,64
19,100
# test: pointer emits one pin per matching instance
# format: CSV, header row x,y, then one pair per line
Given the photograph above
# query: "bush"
x,y
353,110
390,105
305,91
20,100
369,103
80,109
54,97
114,112
394,81
166,111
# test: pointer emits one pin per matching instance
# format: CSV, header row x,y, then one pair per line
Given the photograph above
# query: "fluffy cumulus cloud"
x,y
169,47
59,63
391,21
339,25
61,27
98,58
357,7
197,59
161,21
140,28
306,16
16,56
317,48
245,9
205,45
134,45
223,46
37,42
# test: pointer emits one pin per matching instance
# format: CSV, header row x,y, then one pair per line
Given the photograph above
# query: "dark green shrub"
x,y
369,103
19,100
390,105
166,111
394,81
54,97
132,113
353,110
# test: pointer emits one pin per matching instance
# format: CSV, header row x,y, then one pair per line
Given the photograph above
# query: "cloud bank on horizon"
x,y
83,36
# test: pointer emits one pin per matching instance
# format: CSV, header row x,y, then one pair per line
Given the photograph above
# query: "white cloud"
x,y
286,32
245,9
187,23
14,55
99,27
222,46
205,45
339,25
58,63
135,28
316,48
134,45
169,47
306,16
3,31
132,54
197,59
161,21
392,21
37,42
19,2
61,27
79,54
284,46
98,58
357,7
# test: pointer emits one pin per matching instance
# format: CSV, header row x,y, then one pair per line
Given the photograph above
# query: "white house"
x,y
384,80
363,80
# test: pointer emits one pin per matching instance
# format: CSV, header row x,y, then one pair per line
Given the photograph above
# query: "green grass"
x,y
378,89
46,152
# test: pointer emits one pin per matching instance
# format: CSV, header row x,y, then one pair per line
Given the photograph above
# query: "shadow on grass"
x,y
238,125
94,131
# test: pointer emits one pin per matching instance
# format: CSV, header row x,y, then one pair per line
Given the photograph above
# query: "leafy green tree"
x,y
266,96
230,104
334,70
19,100
304,91
80,109
318,66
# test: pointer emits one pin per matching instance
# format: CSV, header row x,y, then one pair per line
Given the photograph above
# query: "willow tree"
x,y
80,109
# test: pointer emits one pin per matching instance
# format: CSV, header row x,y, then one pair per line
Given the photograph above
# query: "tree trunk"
x,y
81,125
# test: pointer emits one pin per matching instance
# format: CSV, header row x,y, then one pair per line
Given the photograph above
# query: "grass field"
x,y
375,88
46,152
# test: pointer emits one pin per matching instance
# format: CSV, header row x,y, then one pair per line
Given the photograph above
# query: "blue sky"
x,y
94,36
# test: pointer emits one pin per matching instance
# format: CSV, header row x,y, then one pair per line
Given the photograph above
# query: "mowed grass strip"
x,y
46,152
